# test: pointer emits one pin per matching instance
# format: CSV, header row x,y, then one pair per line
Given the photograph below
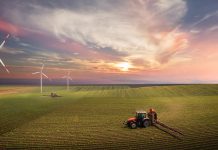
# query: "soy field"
x,y
91,117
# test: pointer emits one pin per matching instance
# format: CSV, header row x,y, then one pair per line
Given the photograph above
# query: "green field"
x,y
91,117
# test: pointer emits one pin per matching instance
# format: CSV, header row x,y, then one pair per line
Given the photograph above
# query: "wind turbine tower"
x,y
68,78
41,75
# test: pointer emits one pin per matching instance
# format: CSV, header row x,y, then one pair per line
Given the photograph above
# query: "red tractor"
x,y
145,119
142,119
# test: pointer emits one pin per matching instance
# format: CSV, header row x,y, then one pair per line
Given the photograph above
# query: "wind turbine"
x,y
1,46
68,78
41,75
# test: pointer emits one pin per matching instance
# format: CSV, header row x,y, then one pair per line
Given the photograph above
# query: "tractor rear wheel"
x,y
146,123
133,125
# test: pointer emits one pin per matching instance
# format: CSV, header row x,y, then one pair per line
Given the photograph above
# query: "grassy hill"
x,y
91,117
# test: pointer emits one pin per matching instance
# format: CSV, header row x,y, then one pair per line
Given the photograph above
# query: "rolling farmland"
x,y
91,117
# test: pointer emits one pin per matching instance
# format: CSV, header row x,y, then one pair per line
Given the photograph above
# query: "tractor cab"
x,y
141,114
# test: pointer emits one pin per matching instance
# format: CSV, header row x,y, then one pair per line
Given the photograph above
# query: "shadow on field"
x,y
16,111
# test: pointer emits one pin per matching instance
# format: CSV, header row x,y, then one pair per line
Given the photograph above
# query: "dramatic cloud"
x,y
142,29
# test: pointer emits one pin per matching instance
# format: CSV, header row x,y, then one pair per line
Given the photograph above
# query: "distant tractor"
x,y
142,119
54,95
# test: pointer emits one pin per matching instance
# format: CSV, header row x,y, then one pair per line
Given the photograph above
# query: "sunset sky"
x,y
111,41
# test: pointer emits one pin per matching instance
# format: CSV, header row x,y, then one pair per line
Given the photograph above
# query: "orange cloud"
x,y
171,43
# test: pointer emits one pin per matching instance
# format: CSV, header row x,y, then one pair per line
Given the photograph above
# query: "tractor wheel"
x,y
146,123
133,125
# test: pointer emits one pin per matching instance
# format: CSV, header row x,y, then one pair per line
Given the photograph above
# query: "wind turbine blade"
x,y
4,66
2,63
7,36
2,44
7,70
44,75
35,72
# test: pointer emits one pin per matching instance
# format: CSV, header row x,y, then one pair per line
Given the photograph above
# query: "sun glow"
x,y
124,66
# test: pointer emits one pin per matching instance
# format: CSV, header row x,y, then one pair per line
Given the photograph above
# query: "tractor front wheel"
x,y
146,123
133,125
